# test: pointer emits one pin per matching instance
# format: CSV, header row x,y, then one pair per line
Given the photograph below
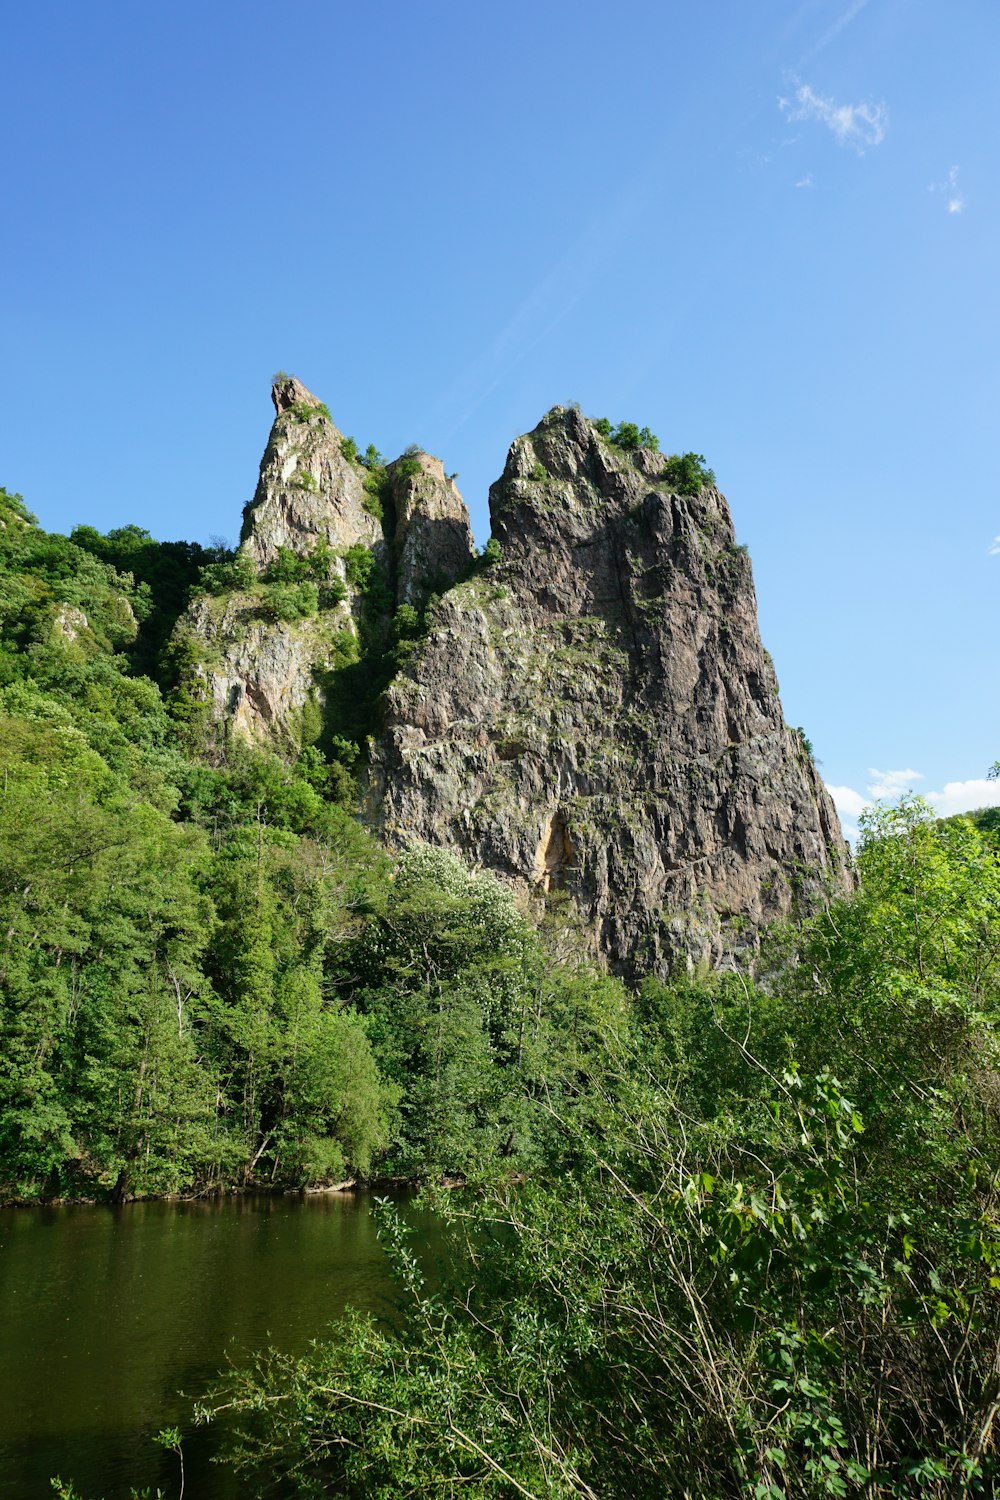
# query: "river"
x,y
107,1314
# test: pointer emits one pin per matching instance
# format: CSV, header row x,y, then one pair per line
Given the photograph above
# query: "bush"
x,y
687,474
627,436
237,572
289,602
302,411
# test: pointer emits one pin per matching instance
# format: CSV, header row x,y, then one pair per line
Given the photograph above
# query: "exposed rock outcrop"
x,y
308,488
259,675
596,713
316,581
433,538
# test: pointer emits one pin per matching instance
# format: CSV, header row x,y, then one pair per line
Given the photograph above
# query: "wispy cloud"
x,y
994,548
833,31
892,783
806,181
855,125
954,199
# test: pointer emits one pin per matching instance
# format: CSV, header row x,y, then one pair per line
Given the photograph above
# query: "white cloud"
x,y
994,547
891,783
956,797
954,201
857,125
964,796
806,181
847,801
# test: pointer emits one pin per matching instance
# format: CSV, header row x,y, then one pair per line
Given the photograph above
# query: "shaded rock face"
x,y
597,714
308,490
433,538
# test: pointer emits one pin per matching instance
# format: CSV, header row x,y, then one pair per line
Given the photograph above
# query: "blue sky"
x,y
768,231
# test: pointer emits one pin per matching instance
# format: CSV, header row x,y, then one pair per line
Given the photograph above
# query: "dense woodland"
x,y
736,1235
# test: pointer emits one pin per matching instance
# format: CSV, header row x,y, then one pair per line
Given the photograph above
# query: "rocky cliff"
x,y
588,709
291,641
596,713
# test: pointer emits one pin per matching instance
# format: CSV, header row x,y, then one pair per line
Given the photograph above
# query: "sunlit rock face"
x,y
266,679
596,714
308,489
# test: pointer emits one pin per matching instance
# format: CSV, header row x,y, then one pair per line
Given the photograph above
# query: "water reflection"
x,y
108,1314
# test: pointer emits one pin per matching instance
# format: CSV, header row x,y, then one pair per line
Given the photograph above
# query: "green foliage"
x,y
378,491
359,566
492,553
315,565
761,1255
627,436
289,601
407,468
166,572
377,482
236,571
686,473
304,411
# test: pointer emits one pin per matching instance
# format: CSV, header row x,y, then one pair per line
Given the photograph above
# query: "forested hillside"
x,y
211,976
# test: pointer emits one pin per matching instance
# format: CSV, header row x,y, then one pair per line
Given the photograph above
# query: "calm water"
x,y
105,1315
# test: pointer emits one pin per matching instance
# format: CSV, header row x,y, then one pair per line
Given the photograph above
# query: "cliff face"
x,y
432,536
596,713
593,714
308,488
328,550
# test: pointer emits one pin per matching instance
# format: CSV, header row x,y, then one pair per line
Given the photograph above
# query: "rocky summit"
x,y
586,710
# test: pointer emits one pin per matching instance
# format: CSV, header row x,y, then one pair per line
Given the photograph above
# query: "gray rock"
x,y
307,488
257,675
433,539
597,714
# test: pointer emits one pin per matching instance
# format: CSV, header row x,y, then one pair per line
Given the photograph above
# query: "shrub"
x,y
288,567
304,411
687,474
236,572
289,602
627,436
